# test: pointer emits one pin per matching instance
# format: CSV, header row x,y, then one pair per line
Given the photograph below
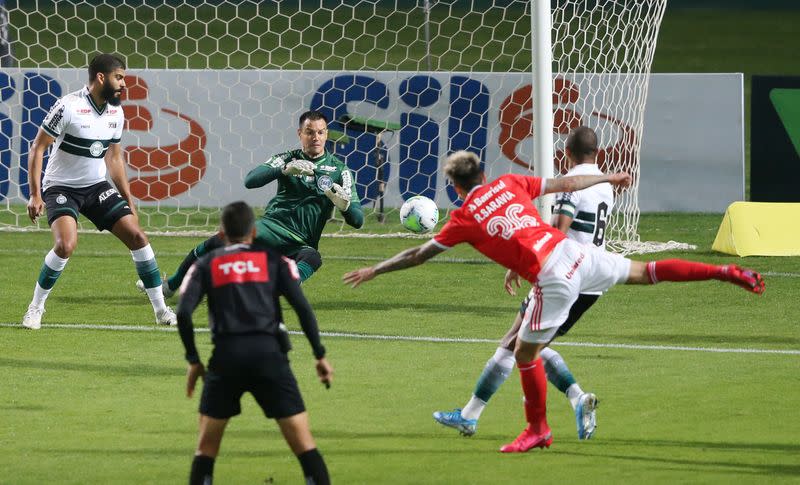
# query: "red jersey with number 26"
x,y
499,220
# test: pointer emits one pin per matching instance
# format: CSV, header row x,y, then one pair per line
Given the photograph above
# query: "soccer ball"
x,y
419,214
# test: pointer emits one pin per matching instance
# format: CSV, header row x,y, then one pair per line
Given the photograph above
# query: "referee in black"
x,y
243,284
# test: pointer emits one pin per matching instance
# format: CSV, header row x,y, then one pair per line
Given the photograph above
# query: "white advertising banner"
x,y
192,135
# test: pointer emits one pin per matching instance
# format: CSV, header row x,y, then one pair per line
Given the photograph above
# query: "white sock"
x,y
39,296
156,295
502,358
547,353
143,254
473,409
156,299
55,263
573,393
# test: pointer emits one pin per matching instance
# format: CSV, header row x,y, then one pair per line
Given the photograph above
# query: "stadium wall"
x,y
206,129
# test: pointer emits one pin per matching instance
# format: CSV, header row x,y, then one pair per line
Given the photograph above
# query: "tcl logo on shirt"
x,y
246,267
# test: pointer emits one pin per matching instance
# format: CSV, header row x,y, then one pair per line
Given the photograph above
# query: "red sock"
x,y
534,387
681,270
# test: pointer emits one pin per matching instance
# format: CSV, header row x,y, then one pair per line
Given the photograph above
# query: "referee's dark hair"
x,y
104,63
313,116
582,142
237,221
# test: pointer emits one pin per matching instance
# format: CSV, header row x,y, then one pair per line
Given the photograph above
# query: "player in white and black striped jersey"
x,y
84,129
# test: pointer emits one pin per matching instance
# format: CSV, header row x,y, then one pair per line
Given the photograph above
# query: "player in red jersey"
x,y
499,220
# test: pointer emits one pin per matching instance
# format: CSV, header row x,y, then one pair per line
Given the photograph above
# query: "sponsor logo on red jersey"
x,y
245,267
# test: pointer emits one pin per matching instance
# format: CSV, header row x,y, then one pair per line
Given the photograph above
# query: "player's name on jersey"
x,y
478,201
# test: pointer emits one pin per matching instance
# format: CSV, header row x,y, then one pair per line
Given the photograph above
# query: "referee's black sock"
x,y
314,468
202,470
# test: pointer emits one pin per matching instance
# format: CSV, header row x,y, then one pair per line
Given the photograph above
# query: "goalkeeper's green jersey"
x,y
300,208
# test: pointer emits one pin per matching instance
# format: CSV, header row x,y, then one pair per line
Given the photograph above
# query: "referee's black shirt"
x,y
243,284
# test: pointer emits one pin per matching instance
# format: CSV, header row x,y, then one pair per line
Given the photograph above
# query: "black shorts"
x,y
100,203
275,391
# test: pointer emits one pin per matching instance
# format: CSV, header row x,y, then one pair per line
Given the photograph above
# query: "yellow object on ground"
x,y
760,229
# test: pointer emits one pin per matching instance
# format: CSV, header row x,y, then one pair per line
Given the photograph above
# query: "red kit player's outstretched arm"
x,y
579,182
405,259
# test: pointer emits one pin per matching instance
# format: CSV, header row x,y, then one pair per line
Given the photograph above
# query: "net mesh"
x,y
216,87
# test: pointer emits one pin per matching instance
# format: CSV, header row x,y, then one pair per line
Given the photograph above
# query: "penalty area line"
x,y
403,338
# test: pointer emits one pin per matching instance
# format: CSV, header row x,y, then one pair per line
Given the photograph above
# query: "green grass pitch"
x,y
103,406
89,406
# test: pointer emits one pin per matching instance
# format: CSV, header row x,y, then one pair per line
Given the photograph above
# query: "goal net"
x,y
216,87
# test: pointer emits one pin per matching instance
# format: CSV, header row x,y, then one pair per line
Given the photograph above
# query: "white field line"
x,y
439,259
401,338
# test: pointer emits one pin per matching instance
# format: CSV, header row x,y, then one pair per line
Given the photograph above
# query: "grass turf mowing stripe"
x,y
362,336
445,260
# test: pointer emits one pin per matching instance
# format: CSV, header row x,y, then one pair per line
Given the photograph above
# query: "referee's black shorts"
x,y
273,386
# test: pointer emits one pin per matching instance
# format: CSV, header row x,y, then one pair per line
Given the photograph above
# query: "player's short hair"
x,y
313,116
237,221
463,168
582,142
105,63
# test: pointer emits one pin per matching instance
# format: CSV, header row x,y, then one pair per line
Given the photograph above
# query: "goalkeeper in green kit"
x,y
311,182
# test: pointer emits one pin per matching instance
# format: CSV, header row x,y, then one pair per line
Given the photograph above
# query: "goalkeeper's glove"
x,y
298,168
339,196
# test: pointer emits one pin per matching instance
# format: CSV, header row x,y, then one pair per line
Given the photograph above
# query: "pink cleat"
x,y
527,440
746,278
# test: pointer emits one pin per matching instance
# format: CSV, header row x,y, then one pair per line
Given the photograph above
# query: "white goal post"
x,y
216,87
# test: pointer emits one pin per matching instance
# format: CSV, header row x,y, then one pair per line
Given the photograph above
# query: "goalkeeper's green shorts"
x,y
278,238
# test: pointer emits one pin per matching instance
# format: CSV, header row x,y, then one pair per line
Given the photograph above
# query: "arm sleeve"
x,y
290,288
56,120
192,292
450,235
265,173
118,132
354,216
534,186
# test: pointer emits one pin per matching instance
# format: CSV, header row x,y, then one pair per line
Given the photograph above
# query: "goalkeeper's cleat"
x,y
453,419
528,440
33,318
585,415
166,317
746,278
165,289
